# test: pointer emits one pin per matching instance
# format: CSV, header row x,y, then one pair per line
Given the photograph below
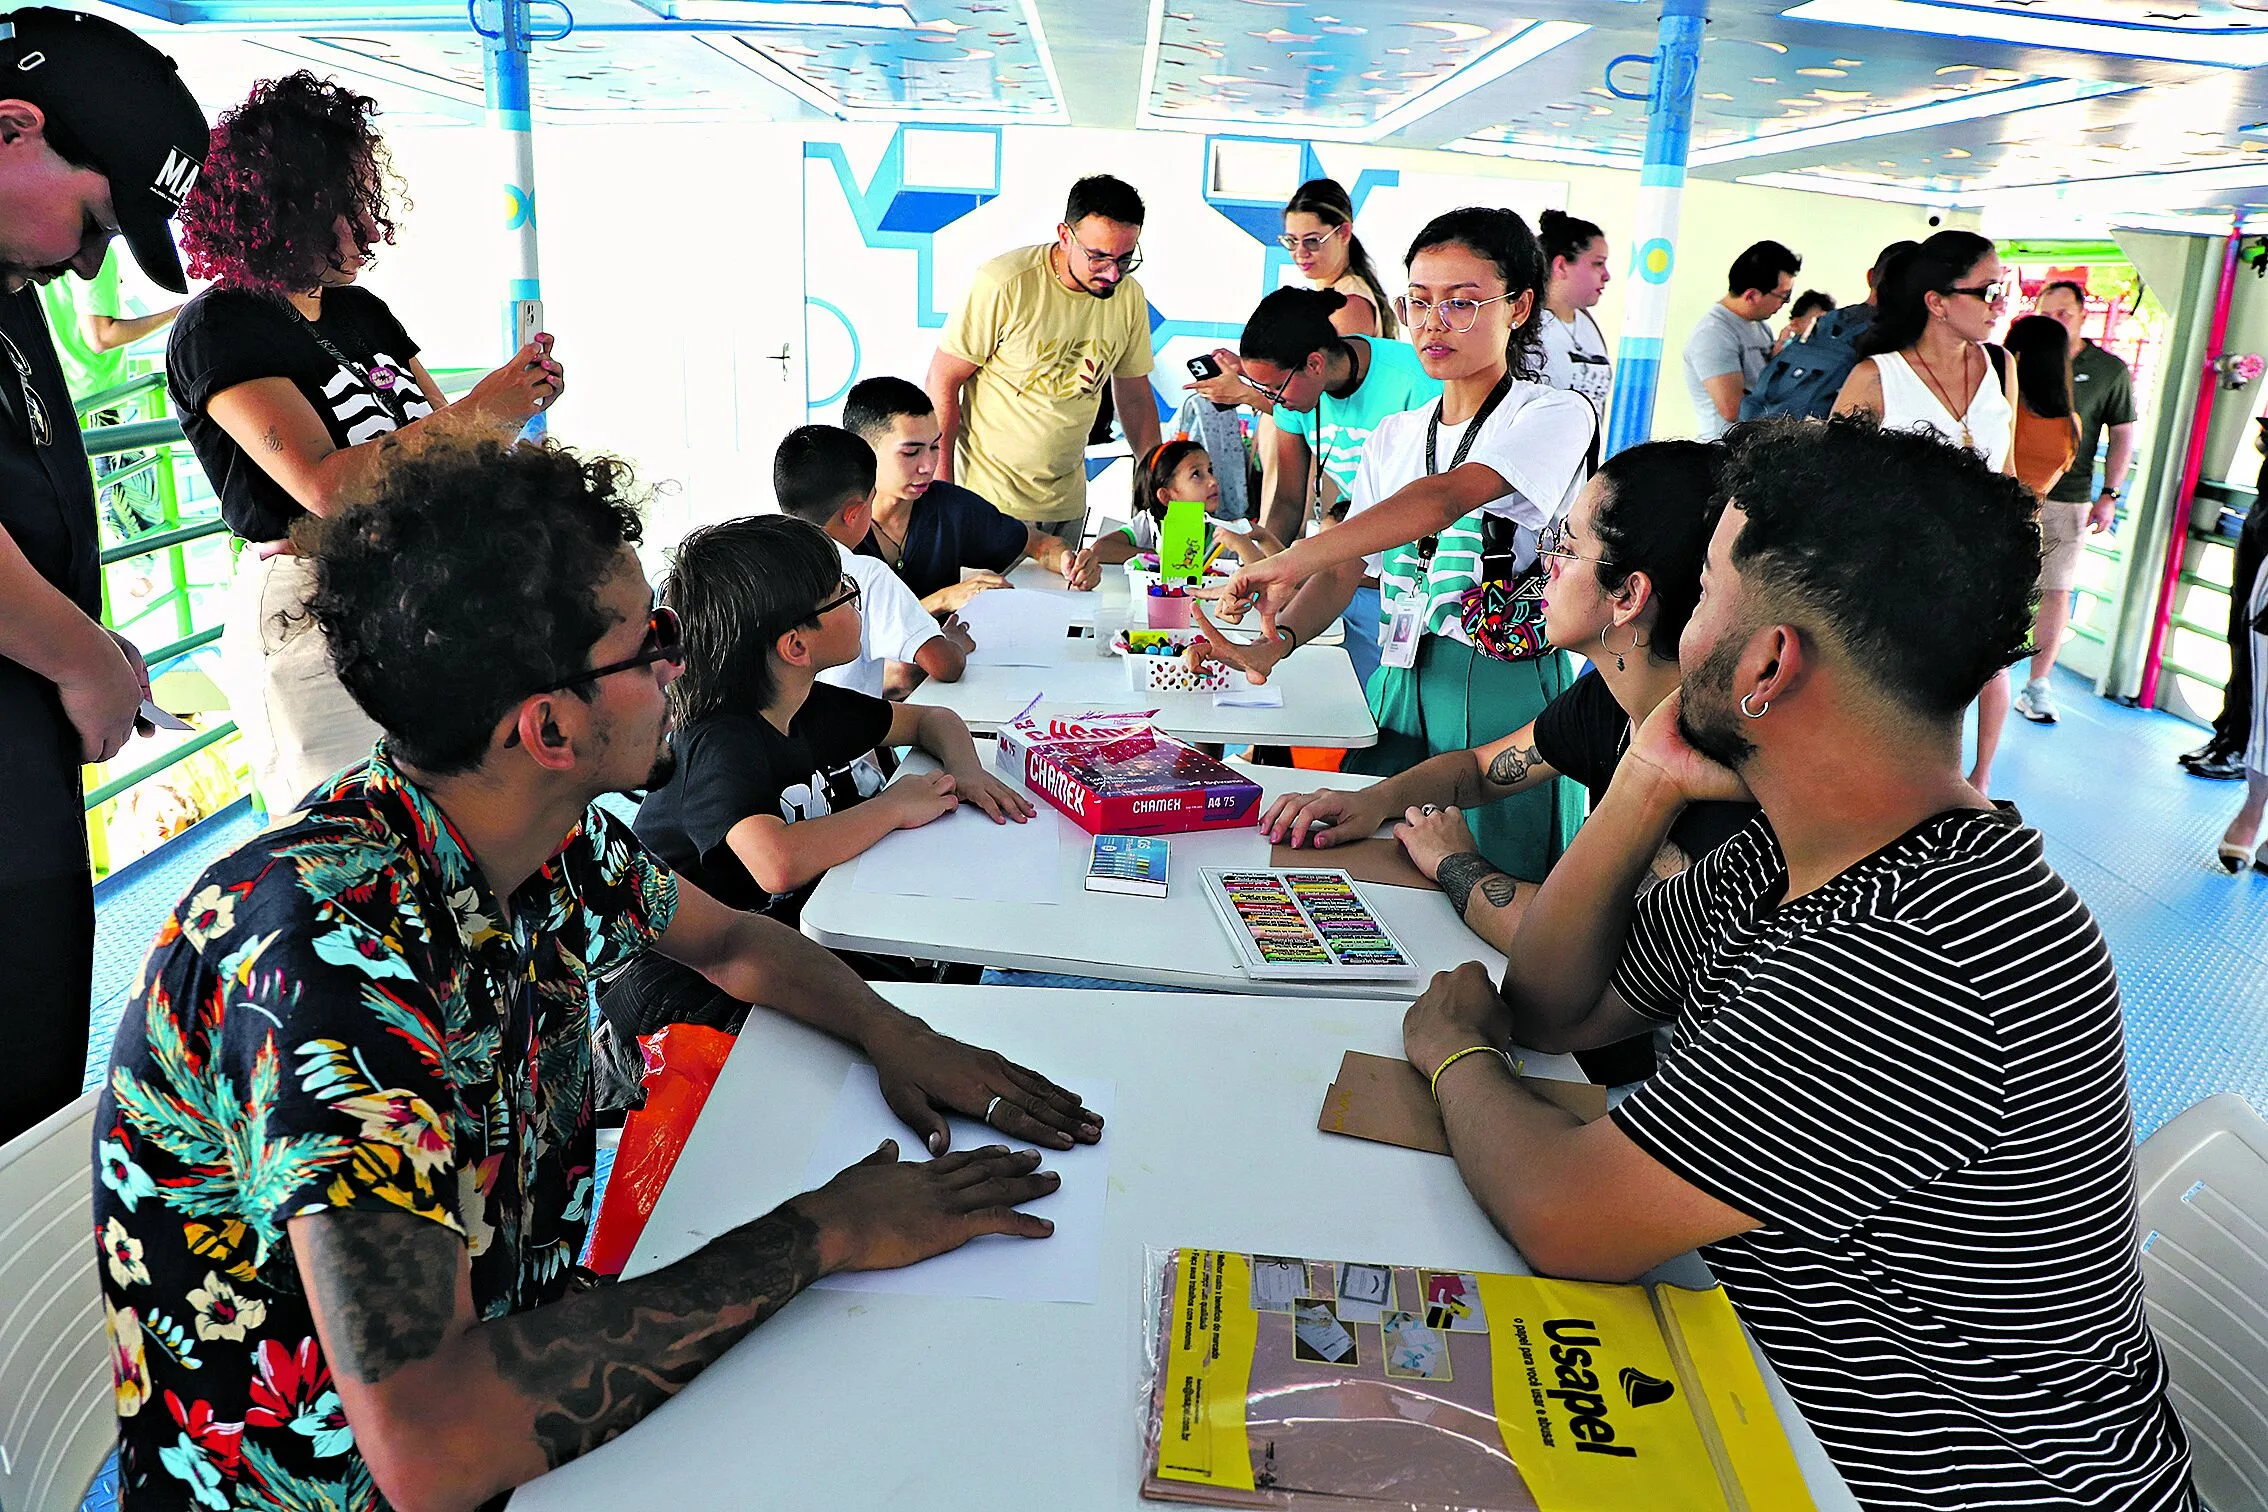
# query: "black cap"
x,y
123,104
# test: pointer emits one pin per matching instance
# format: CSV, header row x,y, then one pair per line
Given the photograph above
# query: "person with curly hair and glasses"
x,y
291,381
345,1155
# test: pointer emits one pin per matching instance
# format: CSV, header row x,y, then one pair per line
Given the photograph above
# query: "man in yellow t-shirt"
x,y
1018,375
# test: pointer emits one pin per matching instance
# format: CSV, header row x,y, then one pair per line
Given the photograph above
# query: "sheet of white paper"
x,y
1240,694
1013,628
966,855
1064,1267
163,720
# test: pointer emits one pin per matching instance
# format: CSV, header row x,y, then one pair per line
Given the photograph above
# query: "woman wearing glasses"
x,y
1925,364
1448,502
291,382
1320,236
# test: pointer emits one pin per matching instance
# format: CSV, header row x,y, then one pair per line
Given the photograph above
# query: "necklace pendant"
x,y
1968,442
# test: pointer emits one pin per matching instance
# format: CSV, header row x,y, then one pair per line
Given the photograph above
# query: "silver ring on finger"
x,y
1430,808
990,1108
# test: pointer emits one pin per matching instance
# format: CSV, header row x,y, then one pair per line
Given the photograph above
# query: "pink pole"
x,y
2193,465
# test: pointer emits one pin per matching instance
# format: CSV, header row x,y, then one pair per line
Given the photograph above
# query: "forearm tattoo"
x,y
597,1363
387,1284
1513,763
1461,873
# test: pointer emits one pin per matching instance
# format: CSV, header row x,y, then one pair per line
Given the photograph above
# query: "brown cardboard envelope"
x,y
1385,1100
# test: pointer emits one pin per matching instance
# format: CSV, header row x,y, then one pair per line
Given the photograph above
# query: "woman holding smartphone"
x,y
291,384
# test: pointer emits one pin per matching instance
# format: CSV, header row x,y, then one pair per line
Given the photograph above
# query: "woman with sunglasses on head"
x,y
1448,503
1925,364
292,383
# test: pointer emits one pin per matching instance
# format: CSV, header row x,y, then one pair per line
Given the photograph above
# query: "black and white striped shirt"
x,y
1914,1078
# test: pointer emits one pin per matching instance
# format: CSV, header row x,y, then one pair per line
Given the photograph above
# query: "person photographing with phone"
x,y
292,381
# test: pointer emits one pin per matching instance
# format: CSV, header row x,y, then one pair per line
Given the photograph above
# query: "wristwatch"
x,y
2108,493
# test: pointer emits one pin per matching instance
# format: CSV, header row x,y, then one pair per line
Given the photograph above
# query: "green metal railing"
x,y
161,468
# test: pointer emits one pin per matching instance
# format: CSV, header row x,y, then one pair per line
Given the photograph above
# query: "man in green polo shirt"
x,y
2103,389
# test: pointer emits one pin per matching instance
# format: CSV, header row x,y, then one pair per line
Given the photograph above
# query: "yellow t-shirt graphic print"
x,y
1043,353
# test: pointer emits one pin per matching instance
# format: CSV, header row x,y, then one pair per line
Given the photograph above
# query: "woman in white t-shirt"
x,y
1926,365
1496,445
1574,348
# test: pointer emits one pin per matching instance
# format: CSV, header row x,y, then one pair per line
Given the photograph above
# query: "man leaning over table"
x,y
1894,1115
344,1161
1018,375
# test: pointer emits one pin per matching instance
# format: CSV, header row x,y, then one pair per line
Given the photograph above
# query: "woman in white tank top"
x,y
1928,368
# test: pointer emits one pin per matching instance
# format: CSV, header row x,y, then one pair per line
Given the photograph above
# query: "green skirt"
x,y
1454,699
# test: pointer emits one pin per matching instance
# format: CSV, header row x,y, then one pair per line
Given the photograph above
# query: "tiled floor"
x,y
2132,833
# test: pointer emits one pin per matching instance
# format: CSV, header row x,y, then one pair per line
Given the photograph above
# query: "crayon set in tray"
x,y
1308,923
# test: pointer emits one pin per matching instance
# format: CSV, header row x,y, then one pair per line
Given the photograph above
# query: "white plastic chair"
x,y
2204,1189
56,1423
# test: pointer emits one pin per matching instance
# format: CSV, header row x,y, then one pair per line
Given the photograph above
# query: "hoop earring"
x,y
1754,713
1618,655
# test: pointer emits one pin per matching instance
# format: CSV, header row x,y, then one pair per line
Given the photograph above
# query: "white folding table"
x,y
867,1402
1176,940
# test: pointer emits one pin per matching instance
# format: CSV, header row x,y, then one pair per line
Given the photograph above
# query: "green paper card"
x,y
1181,541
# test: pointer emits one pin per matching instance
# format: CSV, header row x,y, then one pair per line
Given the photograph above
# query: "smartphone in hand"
x,y
1203,367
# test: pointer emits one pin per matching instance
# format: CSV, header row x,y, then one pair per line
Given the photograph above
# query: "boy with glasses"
x,y
1018,375
1725,355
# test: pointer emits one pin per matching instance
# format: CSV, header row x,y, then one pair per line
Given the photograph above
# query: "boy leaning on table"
x,y
1894,1116
343,1164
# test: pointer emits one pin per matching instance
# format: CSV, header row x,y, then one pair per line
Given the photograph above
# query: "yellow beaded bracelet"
x,y
1435,1085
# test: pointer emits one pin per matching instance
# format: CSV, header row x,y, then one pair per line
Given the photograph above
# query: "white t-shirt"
x,y
1575,357
892,624
1536,441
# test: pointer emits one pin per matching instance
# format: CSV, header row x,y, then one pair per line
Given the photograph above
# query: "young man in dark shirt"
x,y
1894,1114
929,530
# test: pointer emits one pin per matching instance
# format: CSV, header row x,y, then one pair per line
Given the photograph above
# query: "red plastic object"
x,y
682,1062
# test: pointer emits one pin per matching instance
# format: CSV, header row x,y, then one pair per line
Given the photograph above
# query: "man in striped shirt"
x,y
1894,1117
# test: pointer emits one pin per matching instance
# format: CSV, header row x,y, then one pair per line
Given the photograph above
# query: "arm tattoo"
x,y
273,440
387,1284
1513,763
594,1364
1461,873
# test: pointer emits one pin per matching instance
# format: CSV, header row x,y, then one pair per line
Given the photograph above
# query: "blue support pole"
x,y
504,50
1653,254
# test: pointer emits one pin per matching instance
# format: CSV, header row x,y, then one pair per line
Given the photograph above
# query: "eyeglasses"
x,y
1552,542
1275,395
848,594
665,641
1125,262
1312,242
35,409
1991,293
1457,315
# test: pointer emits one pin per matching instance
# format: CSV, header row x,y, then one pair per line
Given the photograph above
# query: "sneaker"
x,y
2036,703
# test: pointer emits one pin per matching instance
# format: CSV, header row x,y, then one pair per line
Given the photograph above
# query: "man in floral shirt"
x,y
344,1161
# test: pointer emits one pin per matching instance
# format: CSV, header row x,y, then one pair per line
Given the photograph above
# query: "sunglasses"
x,y
665,641
1311,243
1991,293
1124,263
35,409
1457,315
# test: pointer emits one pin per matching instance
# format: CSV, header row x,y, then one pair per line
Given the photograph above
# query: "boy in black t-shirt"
x,y
929,530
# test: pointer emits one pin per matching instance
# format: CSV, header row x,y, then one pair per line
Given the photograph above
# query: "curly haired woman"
x,y
291,383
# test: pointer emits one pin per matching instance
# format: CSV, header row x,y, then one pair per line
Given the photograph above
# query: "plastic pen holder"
x,y
1168,607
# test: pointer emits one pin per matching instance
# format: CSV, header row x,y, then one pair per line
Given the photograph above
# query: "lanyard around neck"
x,y
1431,543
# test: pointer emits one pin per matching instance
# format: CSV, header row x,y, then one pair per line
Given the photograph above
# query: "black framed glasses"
x,y
1457,315
847,593
1275,395
1125,262
1311,243
35,408
665,641
1991,293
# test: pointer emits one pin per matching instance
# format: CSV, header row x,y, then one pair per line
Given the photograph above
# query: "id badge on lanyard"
x,y
1405,621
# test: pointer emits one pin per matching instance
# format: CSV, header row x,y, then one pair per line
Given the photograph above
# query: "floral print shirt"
x,y
341,1015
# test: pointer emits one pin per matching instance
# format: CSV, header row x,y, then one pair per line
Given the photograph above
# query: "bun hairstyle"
x,y
1157,469
1327,201
1291,324
1564,235
1901,302
1502,238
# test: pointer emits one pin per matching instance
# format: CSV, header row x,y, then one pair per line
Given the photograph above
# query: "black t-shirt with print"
x,y
225,337
948,528
1583,732
735,765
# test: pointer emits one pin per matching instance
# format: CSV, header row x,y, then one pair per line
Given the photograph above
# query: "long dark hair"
x,y
1901,311
2043,365
1157,470
737,587
1657,509
1327,201
1499,237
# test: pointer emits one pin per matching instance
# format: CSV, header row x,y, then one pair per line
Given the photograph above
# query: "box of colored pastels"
x,y
1154,662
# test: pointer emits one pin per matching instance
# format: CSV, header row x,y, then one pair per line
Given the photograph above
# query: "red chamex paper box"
x,y
1116,774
